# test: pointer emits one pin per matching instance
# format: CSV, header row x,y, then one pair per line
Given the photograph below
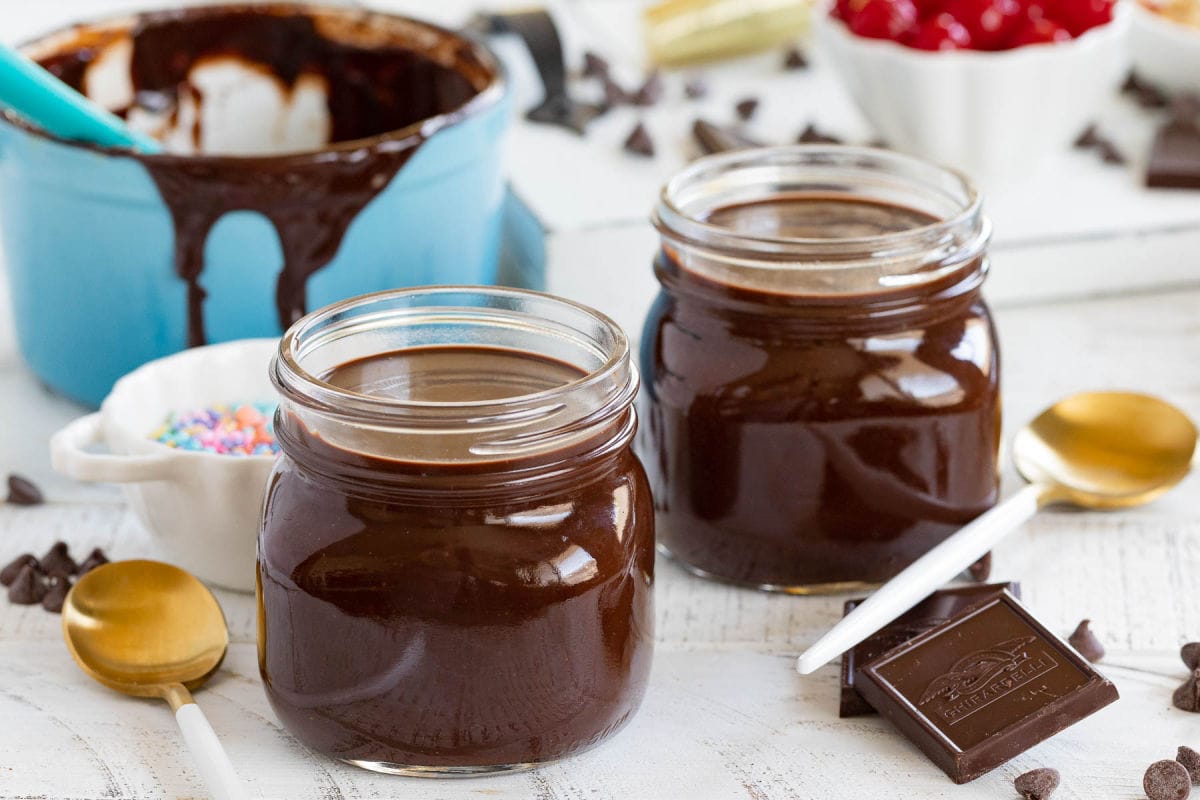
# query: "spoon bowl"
x,y
1106,450
149,629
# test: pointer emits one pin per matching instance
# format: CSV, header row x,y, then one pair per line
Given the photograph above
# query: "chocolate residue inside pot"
x,y
382,75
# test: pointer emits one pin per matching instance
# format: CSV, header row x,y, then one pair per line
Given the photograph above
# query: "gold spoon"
x,y
149,629
1099,450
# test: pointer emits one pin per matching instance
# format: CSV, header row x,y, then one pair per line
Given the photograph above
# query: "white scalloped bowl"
x,y
994,115
203,508
1165,53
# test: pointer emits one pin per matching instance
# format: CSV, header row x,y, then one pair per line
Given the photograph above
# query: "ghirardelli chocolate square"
x,y
983,687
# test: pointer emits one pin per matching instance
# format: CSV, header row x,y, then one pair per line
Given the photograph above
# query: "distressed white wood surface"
x,y
726,716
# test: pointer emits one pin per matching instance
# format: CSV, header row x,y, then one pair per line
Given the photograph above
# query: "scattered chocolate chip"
x,y
28,588
566,113
810,135
746,108
1088,139
594,66
981,570
1084,641
1143,94
56,593
639,142
614,95
1187,696
651,91
794,59
696,88
10,572
58,561
1109,153
1191,762
1190,653
1037,784
23,492
96,558
719,139
1167,780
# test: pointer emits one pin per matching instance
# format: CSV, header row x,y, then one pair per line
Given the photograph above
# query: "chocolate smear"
x,y
794,59
58,561
1086,643
1190,654
1037,784
28,588
14,567
747,107
810,135
23,492
1187,696
719,139
96,558
56,594
639,142
1190,760
1167,780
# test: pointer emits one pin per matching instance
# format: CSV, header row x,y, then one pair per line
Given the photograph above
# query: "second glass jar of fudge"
x,y
821,375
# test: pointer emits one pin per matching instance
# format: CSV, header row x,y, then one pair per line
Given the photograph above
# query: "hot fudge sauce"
x,y
428,604
822,387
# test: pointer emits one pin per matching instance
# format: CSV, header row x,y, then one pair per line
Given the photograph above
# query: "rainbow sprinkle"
x,y
239,429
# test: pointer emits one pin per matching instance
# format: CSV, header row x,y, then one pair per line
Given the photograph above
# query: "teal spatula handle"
x,y
48,102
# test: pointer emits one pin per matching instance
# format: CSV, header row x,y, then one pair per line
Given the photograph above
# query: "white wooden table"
x,y
726,716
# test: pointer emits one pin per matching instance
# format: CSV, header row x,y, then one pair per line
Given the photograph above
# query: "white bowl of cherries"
x,y
991,87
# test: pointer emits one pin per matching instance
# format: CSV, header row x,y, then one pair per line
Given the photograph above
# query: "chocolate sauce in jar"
x,y
453,614
383,76
813,439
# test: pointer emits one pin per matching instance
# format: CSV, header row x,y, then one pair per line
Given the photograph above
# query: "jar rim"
x,y
288,373
673,219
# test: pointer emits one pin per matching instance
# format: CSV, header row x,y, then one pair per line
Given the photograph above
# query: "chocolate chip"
x,y
696,87
1191,762
1037,784
96,558
28,588
1143,94
10,572
651,91
639,142
614,95
794,59
56,594
1187,696
747,107
594,66
810,135
1190,653
23,492
981,570
1109,153
1086,642
1167,780
58,561
719,139
1088,139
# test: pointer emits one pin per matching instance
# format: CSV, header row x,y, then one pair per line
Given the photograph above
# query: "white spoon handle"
x,y
214,765
925,575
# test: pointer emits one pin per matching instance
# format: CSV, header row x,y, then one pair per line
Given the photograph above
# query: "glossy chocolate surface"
x,y
983,687
382,77
812,441
930,612
442,615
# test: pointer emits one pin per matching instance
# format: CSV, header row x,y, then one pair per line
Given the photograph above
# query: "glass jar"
x,y
456,556
821,400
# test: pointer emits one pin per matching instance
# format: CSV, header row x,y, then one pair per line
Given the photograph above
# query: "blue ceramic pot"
x,y
89,245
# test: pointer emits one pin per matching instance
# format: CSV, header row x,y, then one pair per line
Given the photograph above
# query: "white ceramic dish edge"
x,y
1165,53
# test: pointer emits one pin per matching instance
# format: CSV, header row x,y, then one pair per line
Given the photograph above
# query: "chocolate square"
x,y
983,687
1175,157
933,610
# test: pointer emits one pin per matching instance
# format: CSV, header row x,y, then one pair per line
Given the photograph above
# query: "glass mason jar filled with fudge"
x,y
457,551
821,398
